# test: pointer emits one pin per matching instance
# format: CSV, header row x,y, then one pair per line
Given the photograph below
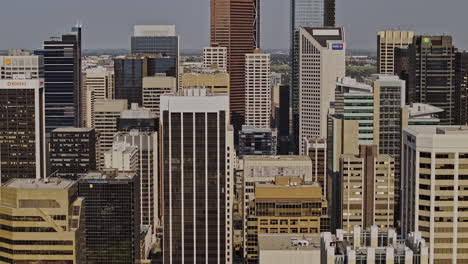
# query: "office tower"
x,y
434,170
284,120
21,65
461,88
137,118
389,98
257,141
213,80
373,246
387,41
316,150
106,113
155,39
235,25
130,71
322,61
402,69
288,248
266,168
432,74
355,101
154,87
22,129
123,157
62,76
419,115
73,151
98,84
307,212
368,183
197,177
112,216
42,222
147,145
257,89
215,57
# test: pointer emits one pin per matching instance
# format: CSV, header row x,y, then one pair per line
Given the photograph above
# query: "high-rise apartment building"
x,y
62,76
147,146
197,177
387,41
257,89
215,57
322,61
306,213
112,216
155,39
355,101
434,197
106,113
214,81
235,25
73,151
22,129
131,70
432,74
367,189
372,246
154,87
98,84
42,222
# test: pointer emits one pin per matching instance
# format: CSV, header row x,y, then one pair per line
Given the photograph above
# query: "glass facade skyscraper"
x,y
62,76
155,39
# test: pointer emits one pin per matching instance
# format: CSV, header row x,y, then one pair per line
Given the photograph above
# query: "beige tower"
x,y
98,84
367,189
214,81
106,113
154,87
387,41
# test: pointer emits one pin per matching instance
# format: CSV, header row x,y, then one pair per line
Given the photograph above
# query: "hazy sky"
x,y
108,23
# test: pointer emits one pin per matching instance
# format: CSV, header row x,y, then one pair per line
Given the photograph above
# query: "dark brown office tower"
x,y
22,129
432,74
461,88
235,25
402,68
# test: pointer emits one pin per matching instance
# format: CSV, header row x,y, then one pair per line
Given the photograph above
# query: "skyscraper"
x,y
215,57
22,129
98,84
432,74
62,76
73,151
257,89
387,41
154,87
112,216
304,13
322,61
461,88
197,178
235,25
435,198
155,39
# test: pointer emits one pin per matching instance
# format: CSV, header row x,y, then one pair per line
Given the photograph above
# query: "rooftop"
x,y
276,158
288,242
273,191
353,85
109,174
137,112
438,130
73,129
39,184
323,35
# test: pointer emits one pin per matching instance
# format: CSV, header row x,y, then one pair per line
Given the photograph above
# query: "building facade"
x,y
112,216
22,129
73,151
62,77
322,61
215,57
368,196
155,39
197,177
434,170
257,89
214,81
42,222
387,41
316,150
98,84
154,87
257,141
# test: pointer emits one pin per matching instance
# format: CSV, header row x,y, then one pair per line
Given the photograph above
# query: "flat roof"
x,y
276,158
35,184
73,129
273,191
285,242
109,174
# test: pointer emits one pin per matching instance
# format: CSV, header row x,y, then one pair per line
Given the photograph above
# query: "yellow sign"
x,y
8,62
